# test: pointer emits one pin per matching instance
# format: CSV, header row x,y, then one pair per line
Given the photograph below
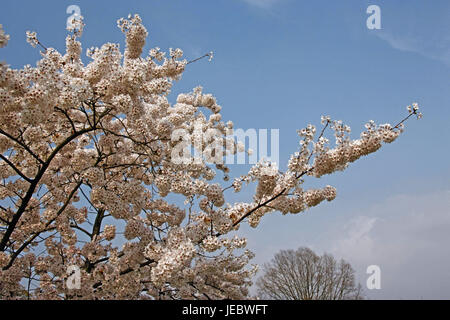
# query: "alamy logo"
x,y
74,277
374,20
211,146
374,280
75,12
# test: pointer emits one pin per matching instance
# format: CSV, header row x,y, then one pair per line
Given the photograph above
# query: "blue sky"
x,y
282,64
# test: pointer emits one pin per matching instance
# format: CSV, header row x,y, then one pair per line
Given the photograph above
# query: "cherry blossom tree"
x,y
89,160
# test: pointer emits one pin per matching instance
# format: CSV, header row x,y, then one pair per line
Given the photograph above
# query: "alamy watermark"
x,y
374,280
75,14
73,281
212,146
374,20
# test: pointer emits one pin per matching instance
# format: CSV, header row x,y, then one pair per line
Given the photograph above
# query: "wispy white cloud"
x,y
262,3
408,237
433,47
417,28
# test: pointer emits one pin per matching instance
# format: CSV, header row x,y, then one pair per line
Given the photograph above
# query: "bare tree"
x,y
303,275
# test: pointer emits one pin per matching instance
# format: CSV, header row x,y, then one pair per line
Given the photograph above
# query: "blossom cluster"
x,y
3,37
